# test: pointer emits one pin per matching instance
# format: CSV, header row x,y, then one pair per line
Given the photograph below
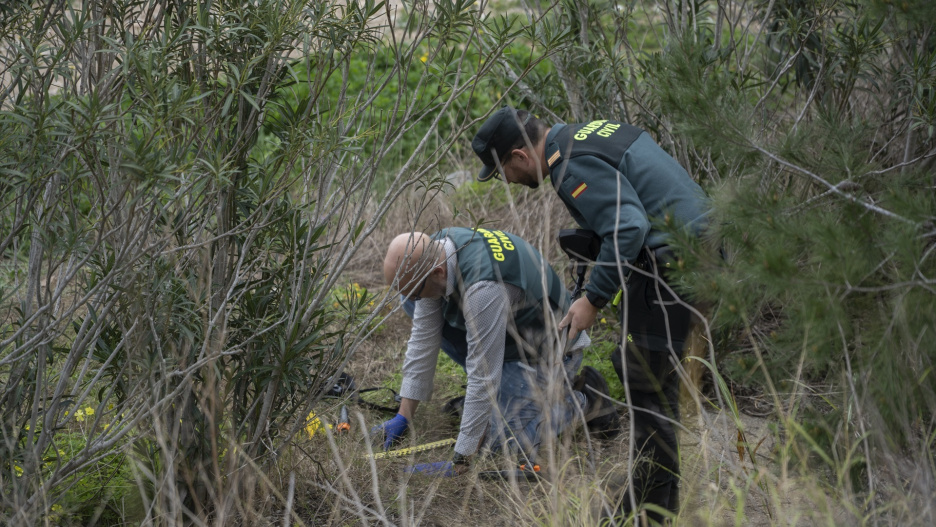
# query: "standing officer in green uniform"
x,y
616,181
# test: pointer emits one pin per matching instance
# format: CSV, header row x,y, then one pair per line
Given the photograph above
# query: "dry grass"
x,y
326,479
737,469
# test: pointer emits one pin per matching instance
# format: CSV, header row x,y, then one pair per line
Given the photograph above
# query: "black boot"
x,y
453,408
664,495
601,416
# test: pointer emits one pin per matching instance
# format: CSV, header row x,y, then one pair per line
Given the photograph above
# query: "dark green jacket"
x,y
499,256
615,180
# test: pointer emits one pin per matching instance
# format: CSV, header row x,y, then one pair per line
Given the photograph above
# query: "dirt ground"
x,y
719,486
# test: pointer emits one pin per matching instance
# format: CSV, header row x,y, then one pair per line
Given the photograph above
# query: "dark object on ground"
x,y
343,386
340,386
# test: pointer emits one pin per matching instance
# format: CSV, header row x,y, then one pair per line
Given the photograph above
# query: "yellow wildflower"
x,y
604,321
89,411
56,513
79,415
18,469
425,57
314,424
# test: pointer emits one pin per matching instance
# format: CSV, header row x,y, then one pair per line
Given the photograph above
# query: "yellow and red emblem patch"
x,y
578,190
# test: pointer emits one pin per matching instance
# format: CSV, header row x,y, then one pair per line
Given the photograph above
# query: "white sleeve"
x,y
422,350
487,310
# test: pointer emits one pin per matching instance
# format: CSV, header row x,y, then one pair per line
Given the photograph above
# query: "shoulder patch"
x,y
553,158
578,190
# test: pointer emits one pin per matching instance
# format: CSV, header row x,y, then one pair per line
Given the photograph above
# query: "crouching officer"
x,y
488,300
616,181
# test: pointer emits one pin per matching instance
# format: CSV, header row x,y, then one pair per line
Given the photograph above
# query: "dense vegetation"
x,y
183,184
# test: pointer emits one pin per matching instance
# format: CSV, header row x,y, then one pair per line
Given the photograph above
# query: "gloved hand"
x,y
392,430
443,469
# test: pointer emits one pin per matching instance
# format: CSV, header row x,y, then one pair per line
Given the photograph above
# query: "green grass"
x,y
103,491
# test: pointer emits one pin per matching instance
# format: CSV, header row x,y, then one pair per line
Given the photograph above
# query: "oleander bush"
x,y
183,185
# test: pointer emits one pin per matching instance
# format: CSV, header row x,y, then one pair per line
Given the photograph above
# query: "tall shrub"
x,y
183,183
811,124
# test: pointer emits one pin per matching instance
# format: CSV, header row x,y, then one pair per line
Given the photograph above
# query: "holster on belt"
x,y
663,256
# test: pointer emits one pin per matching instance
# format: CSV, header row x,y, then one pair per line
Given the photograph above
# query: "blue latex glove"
x,y
443,469
392,430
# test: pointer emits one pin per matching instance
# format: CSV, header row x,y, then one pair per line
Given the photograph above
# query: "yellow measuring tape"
x,y
417,448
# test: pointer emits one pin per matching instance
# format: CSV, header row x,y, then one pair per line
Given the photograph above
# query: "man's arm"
x,y
612,208
422,350
487,309
609,205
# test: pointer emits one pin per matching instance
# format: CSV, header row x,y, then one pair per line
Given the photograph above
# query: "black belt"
x,y
663,256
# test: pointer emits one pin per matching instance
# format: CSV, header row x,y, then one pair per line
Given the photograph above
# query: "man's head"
x,y
414,264
509,143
